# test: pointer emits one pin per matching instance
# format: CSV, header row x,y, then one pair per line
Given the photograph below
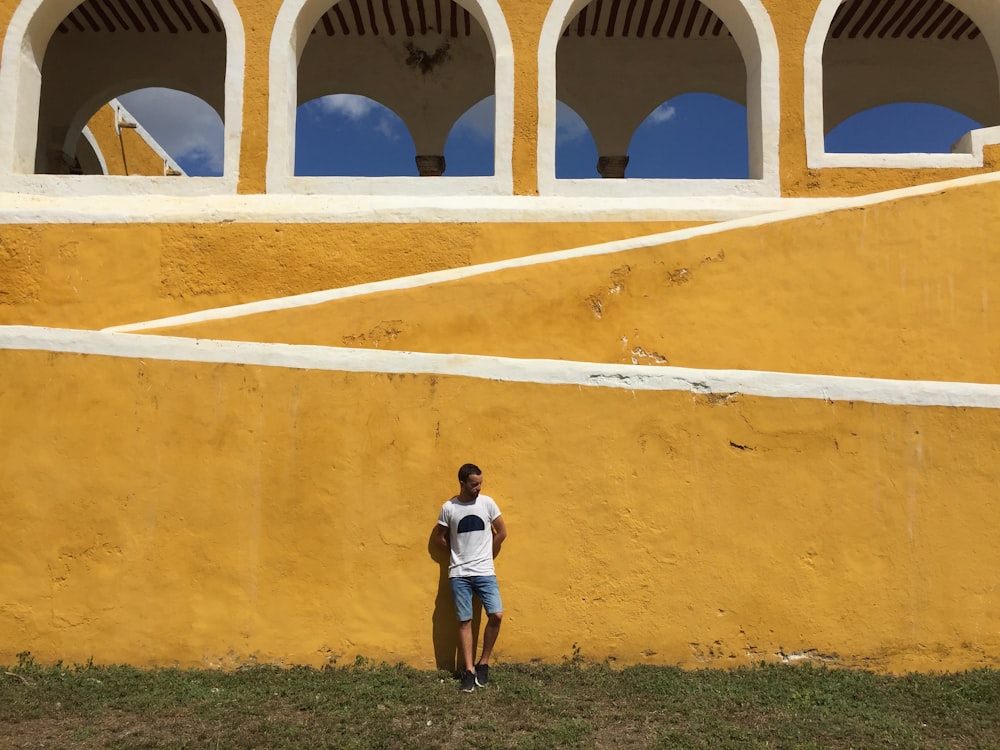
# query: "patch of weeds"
x,y
575,659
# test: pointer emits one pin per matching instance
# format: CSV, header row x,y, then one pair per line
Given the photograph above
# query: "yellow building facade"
x,y
728,421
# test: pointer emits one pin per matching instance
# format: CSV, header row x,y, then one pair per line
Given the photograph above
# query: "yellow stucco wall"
x,y
125,151
898,289
205,513
209,514
94,276
200,513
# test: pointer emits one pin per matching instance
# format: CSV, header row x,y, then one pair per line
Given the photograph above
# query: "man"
x,y
471,527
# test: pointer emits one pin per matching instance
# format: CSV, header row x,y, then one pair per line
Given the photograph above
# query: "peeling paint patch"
x,y
678,276
808,655
641,357
618,277
721,398
387,330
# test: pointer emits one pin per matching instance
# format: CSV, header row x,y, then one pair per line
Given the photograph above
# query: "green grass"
x,y
572,705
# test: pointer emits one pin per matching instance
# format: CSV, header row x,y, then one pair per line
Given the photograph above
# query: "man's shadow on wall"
x,y
444,622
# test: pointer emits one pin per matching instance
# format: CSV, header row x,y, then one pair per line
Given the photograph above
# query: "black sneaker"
x,y
468,683
482,675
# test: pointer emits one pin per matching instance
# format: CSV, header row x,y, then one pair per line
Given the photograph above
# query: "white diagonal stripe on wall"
x,y
505,369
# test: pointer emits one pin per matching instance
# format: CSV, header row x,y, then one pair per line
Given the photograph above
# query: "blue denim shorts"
x,y
485,587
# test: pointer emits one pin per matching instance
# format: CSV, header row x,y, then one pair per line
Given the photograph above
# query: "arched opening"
x,y
469,148
886,57
902,128
62,60
615,64
602,48
427,60
99,51
405,55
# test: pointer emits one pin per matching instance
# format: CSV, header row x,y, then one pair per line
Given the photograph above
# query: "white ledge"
x,y
967,153
504,369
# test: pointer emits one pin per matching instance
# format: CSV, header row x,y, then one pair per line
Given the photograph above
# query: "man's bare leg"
x,y
465,641
490,633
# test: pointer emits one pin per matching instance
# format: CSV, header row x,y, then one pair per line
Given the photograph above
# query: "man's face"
x,y
471,486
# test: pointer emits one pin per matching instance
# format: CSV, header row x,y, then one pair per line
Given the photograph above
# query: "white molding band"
x,y
504,369
136,206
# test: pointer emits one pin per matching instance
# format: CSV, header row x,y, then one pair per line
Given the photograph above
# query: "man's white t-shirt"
x,y
470,527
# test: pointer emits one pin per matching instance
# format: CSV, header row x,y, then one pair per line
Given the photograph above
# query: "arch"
x,y
750,26
293,25
25,44
90,155
979,99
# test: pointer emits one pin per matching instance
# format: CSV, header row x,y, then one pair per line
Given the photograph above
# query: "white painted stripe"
x,y
55,202
72,199
801,210
504,369
410,282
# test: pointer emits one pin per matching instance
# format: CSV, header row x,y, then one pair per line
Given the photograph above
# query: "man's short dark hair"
x,y
467,470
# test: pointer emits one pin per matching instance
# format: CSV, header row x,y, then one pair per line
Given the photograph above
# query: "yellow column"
x,y
258,23
791,27
525,21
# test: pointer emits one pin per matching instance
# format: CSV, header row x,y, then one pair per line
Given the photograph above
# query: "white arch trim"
x,y
750,25
31,27
89,137
967,153
295,21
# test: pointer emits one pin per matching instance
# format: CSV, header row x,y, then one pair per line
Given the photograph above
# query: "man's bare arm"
x,y
499,534
440,536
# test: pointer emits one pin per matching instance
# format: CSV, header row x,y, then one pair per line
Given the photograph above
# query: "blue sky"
x,y
352,135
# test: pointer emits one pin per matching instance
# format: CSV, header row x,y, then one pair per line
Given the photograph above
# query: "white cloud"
x,y
387,127
185,127
663,113
359,110
351,106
